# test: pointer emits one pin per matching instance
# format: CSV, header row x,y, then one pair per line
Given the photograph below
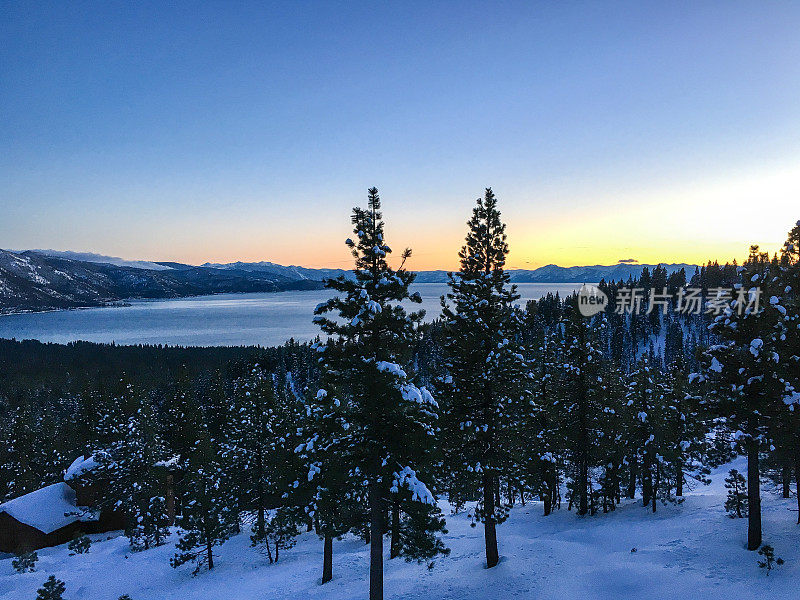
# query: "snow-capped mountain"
x,y
546,274
36,280
101,258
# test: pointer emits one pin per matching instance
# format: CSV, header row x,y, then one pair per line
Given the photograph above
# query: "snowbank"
x,y
688,551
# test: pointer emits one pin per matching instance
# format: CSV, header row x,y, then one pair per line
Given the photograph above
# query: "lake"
x,y
265,319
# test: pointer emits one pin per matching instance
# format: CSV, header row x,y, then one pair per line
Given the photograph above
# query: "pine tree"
x,y
336,490
736,502
685,428
281,531
611,443
25,562
80,544
581,361
259,444
53,589
486,369
129,468
414,525
21,470
787,338
768,552
743,376
366,365
209,516
539,443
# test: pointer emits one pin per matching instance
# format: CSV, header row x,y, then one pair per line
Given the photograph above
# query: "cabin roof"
x,y
47,509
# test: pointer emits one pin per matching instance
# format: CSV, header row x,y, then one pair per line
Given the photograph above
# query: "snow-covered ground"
x,y
689,551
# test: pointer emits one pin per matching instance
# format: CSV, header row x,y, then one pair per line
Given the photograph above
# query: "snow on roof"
x,y
168,463
79,466
47,509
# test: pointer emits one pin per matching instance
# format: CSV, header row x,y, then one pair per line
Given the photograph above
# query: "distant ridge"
x,y
37,280
546,274
102,259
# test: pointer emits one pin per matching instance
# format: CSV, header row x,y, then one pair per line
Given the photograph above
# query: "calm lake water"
x,y
220,320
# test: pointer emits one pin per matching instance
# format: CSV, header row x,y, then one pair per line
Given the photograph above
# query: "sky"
x,y
224,131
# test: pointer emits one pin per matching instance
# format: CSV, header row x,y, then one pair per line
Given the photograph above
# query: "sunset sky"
x,y
662,132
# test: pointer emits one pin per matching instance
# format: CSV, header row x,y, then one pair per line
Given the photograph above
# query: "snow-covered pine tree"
x,y
336,491
611,443
281,531
645,402
538,439
21,454
580,361
787,338
685,446
209,514
250,446
412,528
265,470
742,372
487,375
127,468
736,501
367,365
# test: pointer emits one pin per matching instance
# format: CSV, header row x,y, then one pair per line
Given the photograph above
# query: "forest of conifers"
x,y
489,405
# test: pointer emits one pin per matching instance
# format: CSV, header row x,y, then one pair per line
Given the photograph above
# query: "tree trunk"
x,y
656,483
489,525
394,544
753,497
376,523
170,499
583,483
797,486
547,501
327,559
646,483
261,504
632,478
786,476
679,478
210,555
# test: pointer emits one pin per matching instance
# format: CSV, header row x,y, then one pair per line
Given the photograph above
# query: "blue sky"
x,y
247,131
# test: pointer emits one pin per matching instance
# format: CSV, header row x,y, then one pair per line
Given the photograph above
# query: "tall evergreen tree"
x,y
209,515
367,366
579,404
485,366
743,373
129,468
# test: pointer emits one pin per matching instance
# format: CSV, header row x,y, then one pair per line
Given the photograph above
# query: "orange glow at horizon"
x,y
690,223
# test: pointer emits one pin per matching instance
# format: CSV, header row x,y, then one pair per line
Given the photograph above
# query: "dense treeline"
x,y
491,405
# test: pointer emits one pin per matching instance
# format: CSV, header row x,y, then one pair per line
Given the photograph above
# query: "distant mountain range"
x,y
38,280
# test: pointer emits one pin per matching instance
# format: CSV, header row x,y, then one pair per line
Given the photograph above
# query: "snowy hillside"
x,y
31,281
689,551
